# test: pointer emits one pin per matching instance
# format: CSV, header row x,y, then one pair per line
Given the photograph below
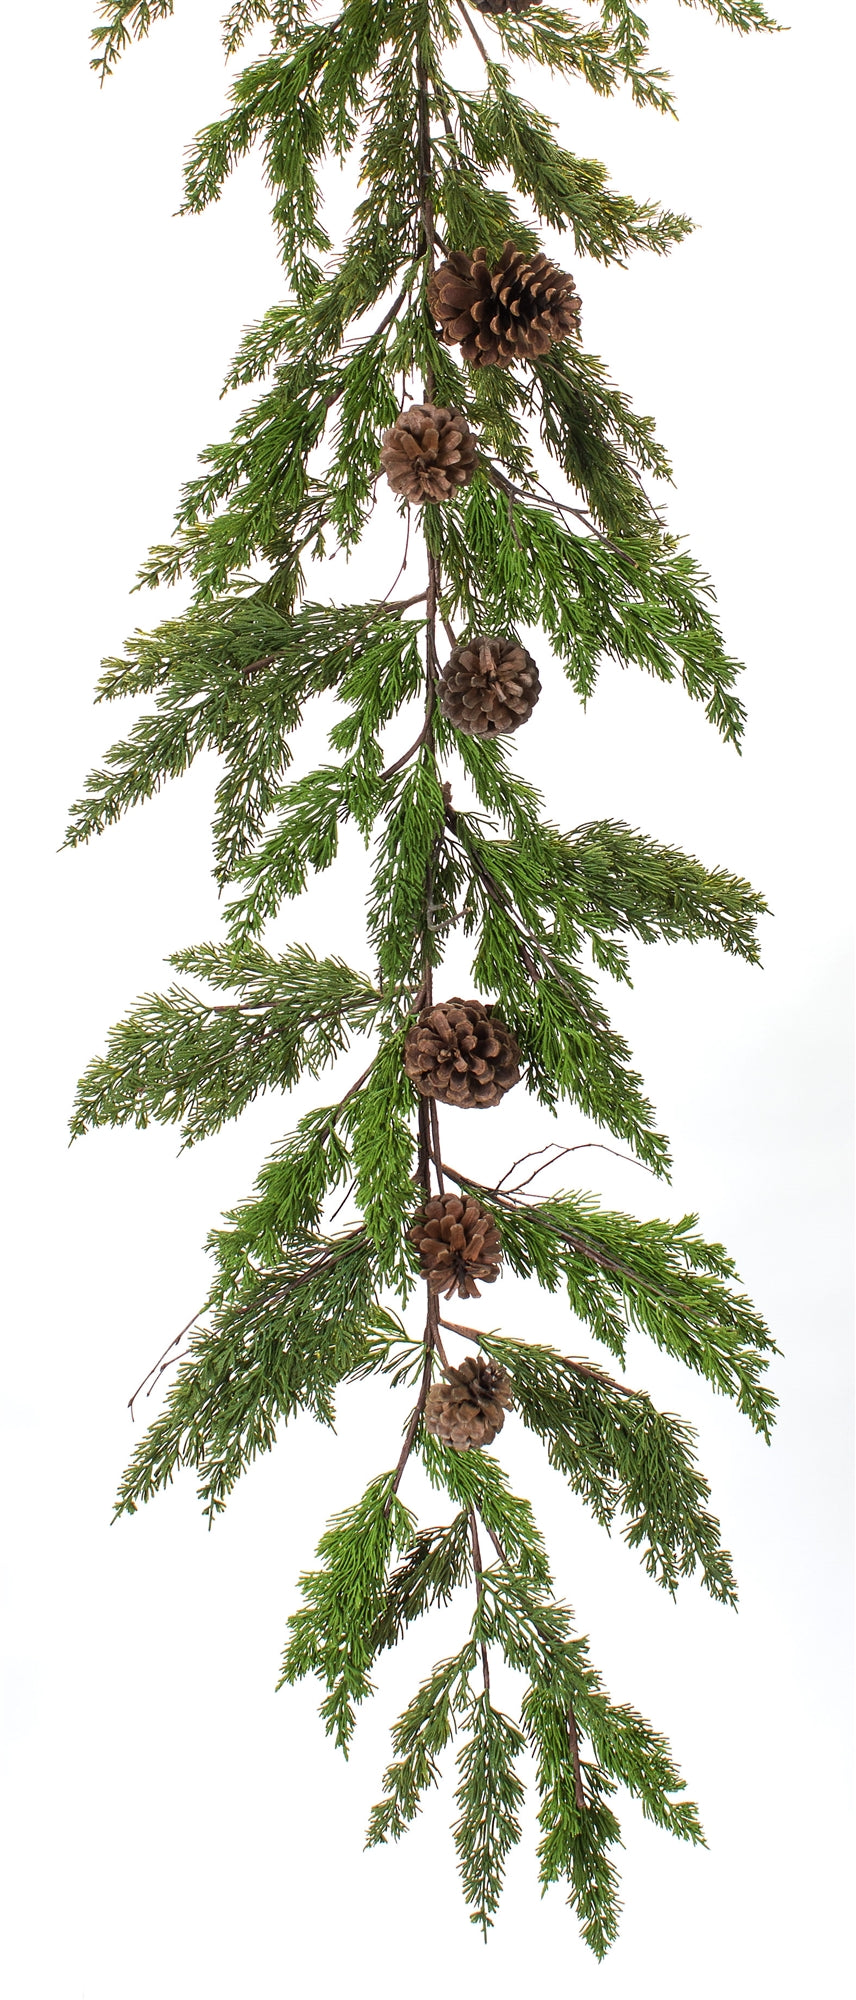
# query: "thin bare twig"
x,y
349,1093
496,1543
473,31
583,1246
348,1191
391,314
163,1361
584,1145
401,570
406,754
404,603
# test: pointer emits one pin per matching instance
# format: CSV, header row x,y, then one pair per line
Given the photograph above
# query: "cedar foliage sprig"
x,y
296,1304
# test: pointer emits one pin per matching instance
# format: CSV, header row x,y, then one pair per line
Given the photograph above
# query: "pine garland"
x,y
296,1306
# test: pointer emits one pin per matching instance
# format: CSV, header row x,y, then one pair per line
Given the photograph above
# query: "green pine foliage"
x,y
458,841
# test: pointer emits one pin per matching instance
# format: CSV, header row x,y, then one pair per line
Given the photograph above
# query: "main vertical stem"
x,y
426,206
477,1571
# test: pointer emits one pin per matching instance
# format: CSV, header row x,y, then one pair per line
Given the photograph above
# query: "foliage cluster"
x,y
297,1305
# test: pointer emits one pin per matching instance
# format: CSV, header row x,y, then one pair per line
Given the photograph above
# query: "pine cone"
x,y
505,6
489,686
458,1242
468,1408
514,311
428,453
461,1054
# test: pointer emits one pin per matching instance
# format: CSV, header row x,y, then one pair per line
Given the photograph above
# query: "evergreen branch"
x,y
180,1059
562,891
436,1564
235,678
551,1007
602,57
294,1308
121,22
489,1795
535,1637
419,1737
332,1635
476,1482
656,1276
501,130
280,1342
622,1456
644,606
745,16
416,1415
163,1362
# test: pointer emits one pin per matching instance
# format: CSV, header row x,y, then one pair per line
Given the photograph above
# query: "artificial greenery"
x,y
298,1305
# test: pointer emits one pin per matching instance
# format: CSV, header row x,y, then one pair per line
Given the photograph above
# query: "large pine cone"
x,y
513,311
468,1408
461,1054
489,686
458,1242
428,453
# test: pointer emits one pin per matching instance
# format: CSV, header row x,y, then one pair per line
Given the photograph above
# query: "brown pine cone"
x,y
505,6
428,453
468,1408
512,311
489,686
461,1054
458,1242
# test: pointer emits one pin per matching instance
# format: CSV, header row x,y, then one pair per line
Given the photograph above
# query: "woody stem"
x,y
477,1571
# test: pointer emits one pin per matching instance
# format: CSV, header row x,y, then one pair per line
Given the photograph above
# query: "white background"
x,y
174,1826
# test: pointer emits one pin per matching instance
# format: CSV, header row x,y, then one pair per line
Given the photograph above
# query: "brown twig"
x,y
403,566
256,666
579,1793
422,1398
577,1242
473,31
537,495
391,314
349,1093
435,1144
406,754
163,1361
477,1571
348,1191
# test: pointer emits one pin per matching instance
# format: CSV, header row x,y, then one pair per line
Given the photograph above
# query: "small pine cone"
x,y
489,686
428,453
468,1408
461,1054
458,1242
512,311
